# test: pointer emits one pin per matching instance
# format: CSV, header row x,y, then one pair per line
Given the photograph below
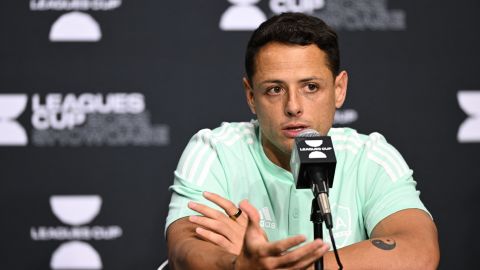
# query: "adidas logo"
x,y
266,219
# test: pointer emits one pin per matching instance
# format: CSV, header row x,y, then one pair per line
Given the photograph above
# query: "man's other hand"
x,y
218,227
244,237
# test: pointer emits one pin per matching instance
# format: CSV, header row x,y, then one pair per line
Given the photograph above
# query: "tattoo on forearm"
x,y
388,244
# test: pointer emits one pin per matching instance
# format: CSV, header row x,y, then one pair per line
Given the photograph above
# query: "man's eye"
x,y
311,87
276,90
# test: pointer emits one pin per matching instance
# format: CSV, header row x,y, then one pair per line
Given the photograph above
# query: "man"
x,y
293,82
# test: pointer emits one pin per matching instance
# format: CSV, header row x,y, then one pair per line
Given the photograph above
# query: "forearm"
x,y
198,254
187,251
393,252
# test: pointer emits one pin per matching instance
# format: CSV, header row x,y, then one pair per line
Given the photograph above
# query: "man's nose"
x,y
293,104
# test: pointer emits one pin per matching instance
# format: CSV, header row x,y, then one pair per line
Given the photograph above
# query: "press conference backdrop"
x,y
99,97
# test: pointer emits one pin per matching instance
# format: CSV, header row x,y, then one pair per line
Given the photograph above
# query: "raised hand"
x,y
258,253
244,237
222,229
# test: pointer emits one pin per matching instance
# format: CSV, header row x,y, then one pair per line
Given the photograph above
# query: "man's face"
x,y
292,89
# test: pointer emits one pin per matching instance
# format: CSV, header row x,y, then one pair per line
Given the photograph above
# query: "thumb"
x,y
252,213
253,233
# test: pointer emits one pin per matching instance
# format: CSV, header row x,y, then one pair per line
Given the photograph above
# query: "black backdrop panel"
x,y
99,98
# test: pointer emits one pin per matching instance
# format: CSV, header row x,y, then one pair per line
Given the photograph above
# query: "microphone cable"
x,y
335,251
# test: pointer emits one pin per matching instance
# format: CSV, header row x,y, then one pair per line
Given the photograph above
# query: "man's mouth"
x,y
292,130
295,128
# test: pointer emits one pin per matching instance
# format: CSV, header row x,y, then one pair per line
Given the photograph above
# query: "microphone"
x,y
313,163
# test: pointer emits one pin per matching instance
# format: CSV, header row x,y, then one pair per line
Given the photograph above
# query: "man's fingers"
x,y
213,237
303,256
281,246
310,259
206,211
229,207
212,225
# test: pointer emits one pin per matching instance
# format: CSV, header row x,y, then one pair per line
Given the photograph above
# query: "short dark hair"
x,y
296,29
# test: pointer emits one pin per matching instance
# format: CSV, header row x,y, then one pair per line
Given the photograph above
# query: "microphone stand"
x,y
317,220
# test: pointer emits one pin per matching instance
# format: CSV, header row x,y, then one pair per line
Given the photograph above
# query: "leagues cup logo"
x,y
11,132
94,119
242,15
315,144
75,255
352,15
469,130
316,150
76,211
76,25
77,120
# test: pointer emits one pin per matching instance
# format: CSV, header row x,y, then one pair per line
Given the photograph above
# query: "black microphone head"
x,y
309,150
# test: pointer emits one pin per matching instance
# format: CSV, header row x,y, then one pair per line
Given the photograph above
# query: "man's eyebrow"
x,y
312,79
272,81
308,79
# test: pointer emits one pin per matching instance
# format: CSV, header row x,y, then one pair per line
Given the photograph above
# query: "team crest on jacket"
x,y
342,224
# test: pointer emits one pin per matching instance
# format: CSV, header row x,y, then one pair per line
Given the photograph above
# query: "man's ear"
x,y
341,83
249,94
